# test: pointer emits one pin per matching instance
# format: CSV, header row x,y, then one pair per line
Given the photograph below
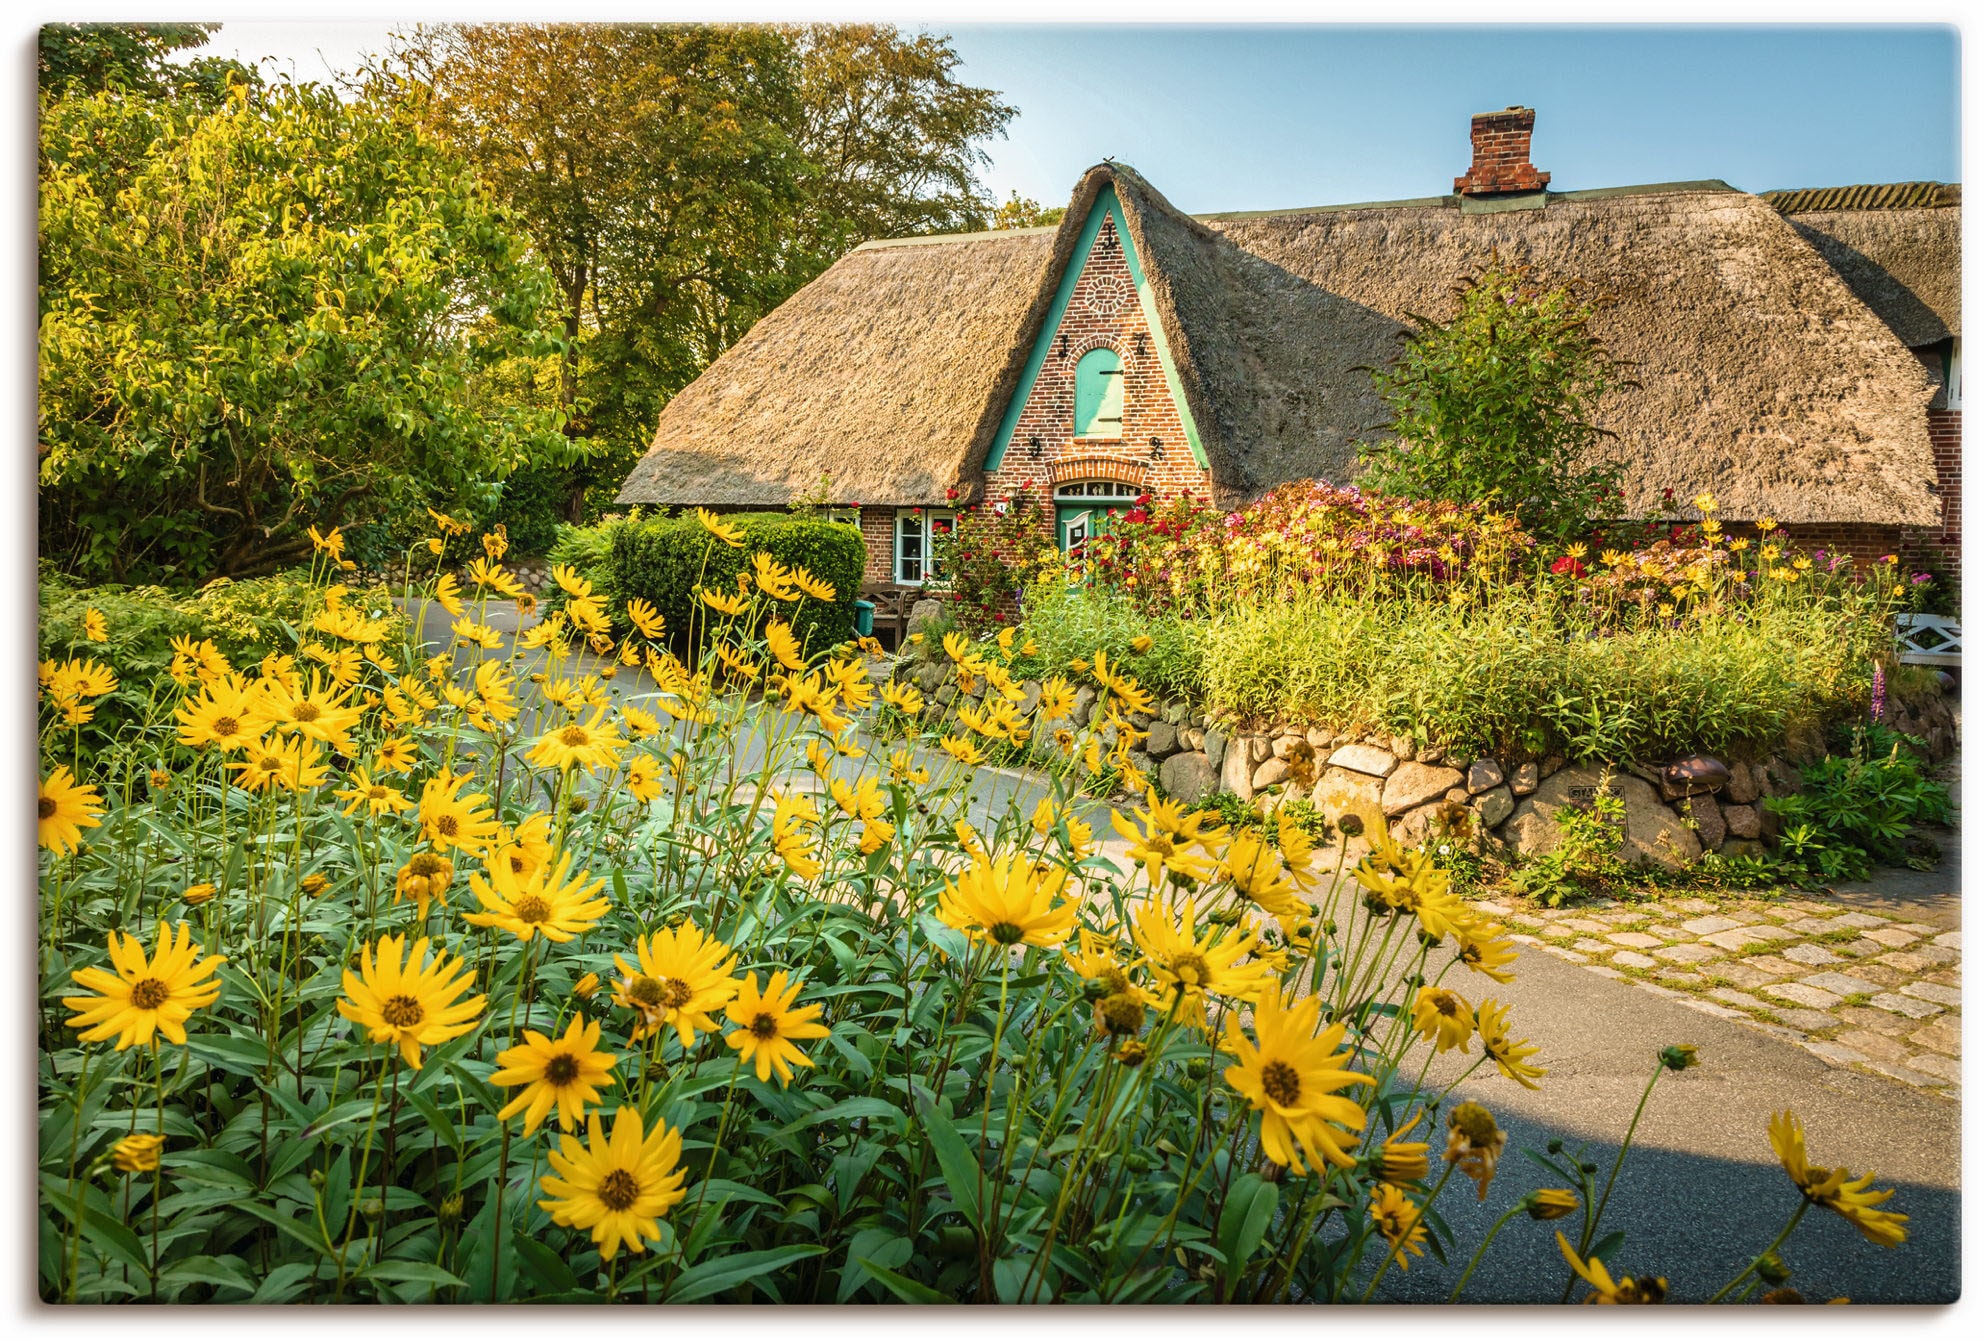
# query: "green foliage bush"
x,y
665,560
246,619
1065,623
1857,809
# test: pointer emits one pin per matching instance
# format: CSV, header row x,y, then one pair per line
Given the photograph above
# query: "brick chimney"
x,y
1501,154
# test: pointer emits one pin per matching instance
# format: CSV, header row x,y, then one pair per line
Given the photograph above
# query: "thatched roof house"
x,y
1240,345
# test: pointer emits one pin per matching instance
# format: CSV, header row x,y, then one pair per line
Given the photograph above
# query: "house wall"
x,y
1103,311
1942,545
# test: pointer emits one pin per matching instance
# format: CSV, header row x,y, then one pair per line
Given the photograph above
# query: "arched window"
x,y
1099,395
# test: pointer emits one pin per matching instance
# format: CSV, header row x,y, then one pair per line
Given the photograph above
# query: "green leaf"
x,y
398,1273
961,1171
905,1290
1243,1221
720,1274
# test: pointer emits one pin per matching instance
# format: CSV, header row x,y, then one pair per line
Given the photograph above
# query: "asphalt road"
x,y
1701,1192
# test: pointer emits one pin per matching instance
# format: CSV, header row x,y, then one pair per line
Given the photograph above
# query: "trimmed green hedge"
x,y
665,560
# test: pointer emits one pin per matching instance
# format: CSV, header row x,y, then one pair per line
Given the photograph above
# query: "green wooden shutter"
x,y
1099,395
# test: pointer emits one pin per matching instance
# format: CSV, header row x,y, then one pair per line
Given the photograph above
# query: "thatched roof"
x,y
1762,377
882,373
1898,246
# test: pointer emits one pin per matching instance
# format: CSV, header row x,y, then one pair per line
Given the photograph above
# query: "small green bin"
x,y
864,618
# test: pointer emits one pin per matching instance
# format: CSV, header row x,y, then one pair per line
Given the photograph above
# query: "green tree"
x,y
680,181
1496,405
1025,212
132,57
284,311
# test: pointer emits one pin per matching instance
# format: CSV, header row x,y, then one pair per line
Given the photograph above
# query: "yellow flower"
x,y
1057,699
1605,1291
95,628
1836,1190
1006,901
425,877
641,724
1401,1161
398,755
1704,502
1510,1056
1187,967
683,977
543,902
1442,1017
644,617
769,1024
905,698
779,638
724,603
643,778
144,997
790,837
474,635
904,769
1291,1073
138,1153
730,535
587,985
1474,1143
65,808
228,712
321,714
315,884
496,543
377,798
1550,1204
198,894
448,525
448,593
1411,882
566,1072
1399,1219
1485,949
593,744
1162,837
1141,643
773,578
961,749
274,763
405,1001
448,820
812,586
617,1188
487,573
332,545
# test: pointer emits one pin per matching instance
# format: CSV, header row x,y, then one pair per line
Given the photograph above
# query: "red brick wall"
x,y
1501,154
1942,545
1865,542
1103,310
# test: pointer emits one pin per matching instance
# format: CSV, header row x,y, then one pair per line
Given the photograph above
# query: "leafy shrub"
x,y
1496,405
990,556
1586,859
666,560
1857,809
1065,623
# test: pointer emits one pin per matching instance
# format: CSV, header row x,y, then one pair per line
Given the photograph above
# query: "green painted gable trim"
x,y
1106,206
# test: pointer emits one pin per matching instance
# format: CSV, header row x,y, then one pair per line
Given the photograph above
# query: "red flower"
x,y
1568,565
950,493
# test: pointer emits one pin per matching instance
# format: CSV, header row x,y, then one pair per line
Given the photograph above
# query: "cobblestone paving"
x,y
1859,990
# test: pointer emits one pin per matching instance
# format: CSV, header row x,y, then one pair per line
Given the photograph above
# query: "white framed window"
x,y
851,516
915,529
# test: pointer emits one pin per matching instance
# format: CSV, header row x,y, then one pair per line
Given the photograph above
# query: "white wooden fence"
x,y
1929,640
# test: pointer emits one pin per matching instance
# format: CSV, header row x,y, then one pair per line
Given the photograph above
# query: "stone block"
x,y
1808,954
1741,999
1268,773
1857,948
1777,966
1843,984
1837,1054
1364,759
1638,941
1691,905
1859,920
1667,932
1686,954
1188,776
1482,775
1935,992
1591,945
1711,1008
1652,834
1913,1007
1524,778
1634,960
1341,792
1413,785
1702,927
1494,806
1236,774
1936,1065
1872,1018
1744,784
1587,924
1736,938
1941,1036
1804,994
1799,1017
1258,749
1162,741
1320,738
1810,926
1892,937
1744,975
1874,1045
1710,828
1742,822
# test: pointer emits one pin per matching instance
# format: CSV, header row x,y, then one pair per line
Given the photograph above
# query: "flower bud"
x,y
1351,825
451,1209
1771,1269
1197,1068
1121,1014
372,1209
1555,1146
1097,988
1547,1204
316,883
1679,1057
318,1180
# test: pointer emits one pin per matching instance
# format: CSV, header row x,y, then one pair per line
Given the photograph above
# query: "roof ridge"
x,y
1864,196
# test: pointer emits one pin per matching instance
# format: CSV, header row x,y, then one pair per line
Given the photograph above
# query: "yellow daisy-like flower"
x,y
1291,1073
65,808
616,1188
723,603
488,573
1162,838
593,744
1486,949
640,723
95,628
565,1072
1057,699
425,877
1400,1220
198,893
404,1000
1550,1204
1187,968
812,586
791,834
1475,1143
1443,1017
144,997
779,638
398,755
275,763
905,698
644,617
377,798
228,713
448,593
1510,1056
1007,901
769,1023
542,903
773,578
730,535
961,749
1605,1291
1836,1190
903,768
137,1153
1402,1161
684,976
643,778
450,820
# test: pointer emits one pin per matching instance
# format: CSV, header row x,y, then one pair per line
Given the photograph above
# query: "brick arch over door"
x,y
1121,470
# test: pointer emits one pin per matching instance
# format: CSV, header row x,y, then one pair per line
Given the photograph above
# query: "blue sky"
x,y
1257,116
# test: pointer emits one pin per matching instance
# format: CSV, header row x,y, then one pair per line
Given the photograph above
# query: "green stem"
x,y
1782,1235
